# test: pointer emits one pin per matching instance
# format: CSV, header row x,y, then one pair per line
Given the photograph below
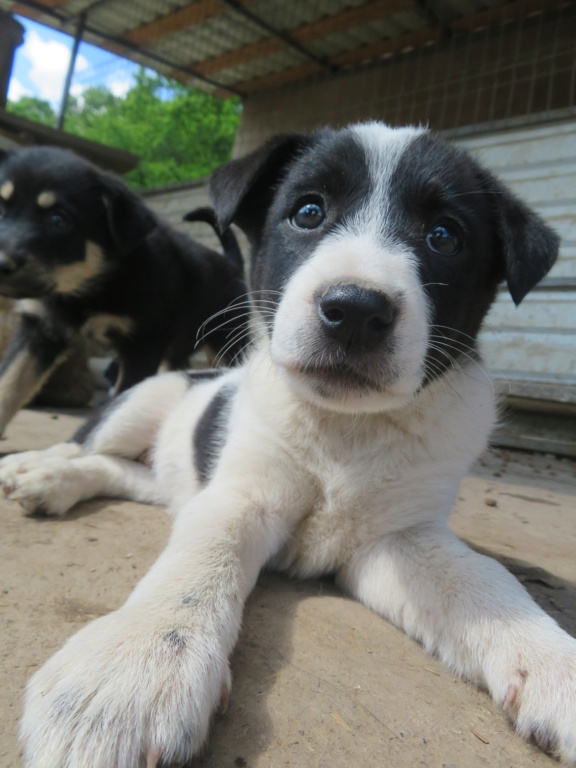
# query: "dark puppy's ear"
x,y
4,154
129,220
241,190
529,247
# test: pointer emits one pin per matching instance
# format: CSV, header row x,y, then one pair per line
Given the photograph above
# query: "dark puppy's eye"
x,y
309,215
444,239
58,222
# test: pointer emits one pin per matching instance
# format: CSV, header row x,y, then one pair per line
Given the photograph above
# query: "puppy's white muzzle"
x,y
351,329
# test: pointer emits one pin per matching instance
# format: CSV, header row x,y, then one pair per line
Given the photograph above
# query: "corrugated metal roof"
x,y
239,46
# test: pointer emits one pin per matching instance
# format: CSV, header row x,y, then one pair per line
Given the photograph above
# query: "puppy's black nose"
x,y
356,317
7,266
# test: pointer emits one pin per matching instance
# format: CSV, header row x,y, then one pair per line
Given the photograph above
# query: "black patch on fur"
x,y
207,438
98,415
333,170
329,166
242,189
437,182
204,374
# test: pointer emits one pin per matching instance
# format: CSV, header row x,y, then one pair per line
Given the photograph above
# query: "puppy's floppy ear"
x,y
129,220
241,190
528,246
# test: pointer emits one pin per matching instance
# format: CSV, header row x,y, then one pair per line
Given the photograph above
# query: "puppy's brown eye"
x,y
444,239
310,215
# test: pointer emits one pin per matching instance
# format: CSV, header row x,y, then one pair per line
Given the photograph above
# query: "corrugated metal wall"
x,y
539,163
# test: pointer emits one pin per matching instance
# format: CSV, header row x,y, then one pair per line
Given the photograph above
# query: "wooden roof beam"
x,y
183,18
510,12
37,9
54,3
389,46
286,39
328,25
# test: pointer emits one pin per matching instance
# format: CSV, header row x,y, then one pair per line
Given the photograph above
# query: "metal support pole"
x,y
70,72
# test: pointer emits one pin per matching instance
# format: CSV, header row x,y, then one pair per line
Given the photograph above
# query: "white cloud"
x,y
17,90
49,61
77,89
120,86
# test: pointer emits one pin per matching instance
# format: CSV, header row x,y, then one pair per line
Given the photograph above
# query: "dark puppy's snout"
x,y
7,265
356,317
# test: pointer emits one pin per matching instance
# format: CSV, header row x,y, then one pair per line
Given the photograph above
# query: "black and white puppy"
x,y
86,255
337,448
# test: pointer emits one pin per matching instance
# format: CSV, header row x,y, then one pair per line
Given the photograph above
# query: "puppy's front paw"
x,y
35,478
14,461
41,487
126,691
540,698
47,485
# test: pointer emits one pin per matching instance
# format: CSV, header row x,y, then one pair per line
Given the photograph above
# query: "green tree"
x,y
179,133
34,109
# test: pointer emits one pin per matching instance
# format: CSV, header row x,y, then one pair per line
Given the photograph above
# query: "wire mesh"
x,y
449,64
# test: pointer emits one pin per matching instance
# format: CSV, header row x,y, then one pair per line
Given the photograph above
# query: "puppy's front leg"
x,y
33,353
139,686
471,612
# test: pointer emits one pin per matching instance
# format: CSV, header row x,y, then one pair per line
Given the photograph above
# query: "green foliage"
x,y
34,109
178,133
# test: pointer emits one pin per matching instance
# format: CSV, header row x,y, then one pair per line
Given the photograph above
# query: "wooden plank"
x,y
328,25
53,4
547,433
510,12
528,147
106,157
390,46
26,11
349,18
301,72
545,388
176,21
538,310
242,55
529,350
277,79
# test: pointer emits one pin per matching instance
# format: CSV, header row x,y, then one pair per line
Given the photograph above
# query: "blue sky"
x,y
40,65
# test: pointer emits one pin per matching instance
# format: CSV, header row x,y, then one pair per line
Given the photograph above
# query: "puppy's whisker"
x,y
452,330
231,309
424,285
447,345
251,334
226,322
228,346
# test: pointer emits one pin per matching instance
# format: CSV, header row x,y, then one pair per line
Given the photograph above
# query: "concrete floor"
x,y
318,679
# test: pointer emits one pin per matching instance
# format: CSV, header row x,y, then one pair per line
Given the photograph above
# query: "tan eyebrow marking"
x,y
46,199
7,190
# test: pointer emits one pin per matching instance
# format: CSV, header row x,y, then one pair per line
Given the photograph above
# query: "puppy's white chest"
x,y
353,499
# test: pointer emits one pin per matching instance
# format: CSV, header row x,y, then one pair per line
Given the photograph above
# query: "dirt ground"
x,y
318,679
